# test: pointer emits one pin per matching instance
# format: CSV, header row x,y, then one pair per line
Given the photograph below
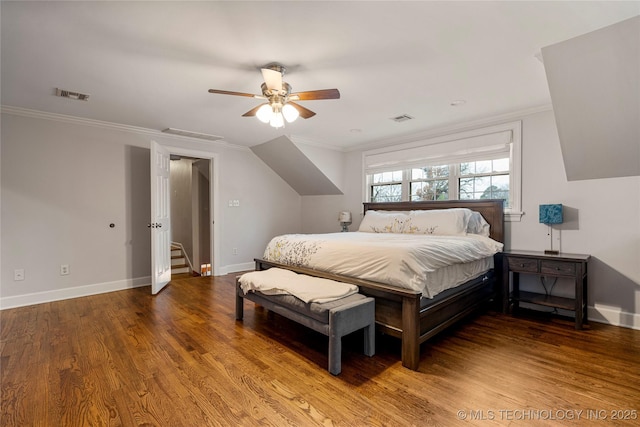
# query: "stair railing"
x,y
186,255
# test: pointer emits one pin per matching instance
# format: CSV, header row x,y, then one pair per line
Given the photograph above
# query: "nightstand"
x,y
573,266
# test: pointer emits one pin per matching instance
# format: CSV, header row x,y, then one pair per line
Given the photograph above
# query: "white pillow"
x,y
440,222
478,225
383,222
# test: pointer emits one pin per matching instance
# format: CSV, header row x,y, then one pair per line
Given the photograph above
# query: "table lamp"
x,y
345,220
551,214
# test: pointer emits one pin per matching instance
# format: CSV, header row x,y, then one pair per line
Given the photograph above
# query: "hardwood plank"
x,y
180,358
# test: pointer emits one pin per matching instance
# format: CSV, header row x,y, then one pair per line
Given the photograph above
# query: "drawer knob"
x,y
521,264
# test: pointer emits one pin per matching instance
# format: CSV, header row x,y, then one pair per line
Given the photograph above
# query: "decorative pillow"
x,y
477,224
440,222
383,222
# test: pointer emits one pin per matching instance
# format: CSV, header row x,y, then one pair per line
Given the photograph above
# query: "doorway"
x,y
190,216
161,212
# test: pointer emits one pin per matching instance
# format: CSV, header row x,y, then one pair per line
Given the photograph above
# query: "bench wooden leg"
x,y
335,354
370,340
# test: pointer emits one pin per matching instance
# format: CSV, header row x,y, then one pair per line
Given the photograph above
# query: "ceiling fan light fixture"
x,y
290,113
277,121
264,113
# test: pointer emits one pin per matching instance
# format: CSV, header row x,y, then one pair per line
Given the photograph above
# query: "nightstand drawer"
x,y
558,267
524,265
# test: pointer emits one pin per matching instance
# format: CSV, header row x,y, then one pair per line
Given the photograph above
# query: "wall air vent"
x,y
191,134
402,118
72,95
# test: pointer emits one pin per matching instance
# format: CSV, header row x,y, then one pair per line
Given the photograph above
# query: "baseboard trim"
x,y
76,292
614,316
233,268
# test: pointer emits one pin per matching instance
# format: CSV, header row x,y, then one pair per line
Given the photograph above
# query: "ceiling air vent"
x,y
72,95
191,134
402,118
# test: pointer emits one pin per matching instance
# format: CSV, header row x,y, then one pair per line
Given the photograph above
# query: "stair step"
x,y
178,261
180,270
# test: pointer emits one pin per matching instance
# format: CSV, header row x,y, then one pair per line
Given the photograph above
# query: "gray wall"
x,y
604,219
64,181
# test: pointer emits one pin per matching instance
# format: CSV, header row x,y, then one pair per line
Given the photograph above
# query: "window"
x,y
386,186
485,179
482,164
430,183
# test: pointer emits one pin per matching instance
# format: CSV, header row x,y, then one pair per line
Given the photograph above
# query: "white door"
x,y
160,218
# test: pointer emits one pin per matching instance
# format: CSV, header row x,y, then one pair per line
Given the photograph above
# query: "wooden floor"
x,y
180,359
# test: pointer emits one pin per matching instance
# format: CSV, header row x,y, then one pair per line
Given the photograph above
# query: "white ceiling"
x,y
150,64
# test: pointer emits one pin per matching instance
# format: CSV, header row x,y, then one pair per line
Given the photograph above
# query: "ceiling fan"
x,y
280,106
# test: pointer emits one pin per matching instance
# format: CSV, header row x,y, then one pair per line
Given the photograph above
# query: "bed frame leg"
x,y
239,303
410,333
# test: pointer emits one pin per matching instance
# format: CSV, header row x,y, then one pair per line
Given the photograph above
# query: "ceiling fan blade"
x,y
253,111
316,94
227,92
305,113
272,78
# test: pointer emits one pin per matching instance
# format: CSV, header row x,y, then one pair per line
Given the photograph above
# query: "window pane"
x,y
481,184
501,165
430,190
485,187
394,176
386,193
499,189
430,172
483,166
468,168
466,188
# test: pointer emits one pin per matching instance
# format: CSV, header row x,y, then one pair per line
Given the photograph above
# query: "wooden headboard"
x,y
491,210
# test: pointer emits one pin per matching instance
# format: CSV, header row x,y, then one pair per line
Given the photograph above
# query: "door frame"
x,y
214,244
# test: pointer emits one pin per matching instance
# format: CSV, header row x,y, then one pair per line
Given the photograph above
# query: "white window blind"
x,y
454,149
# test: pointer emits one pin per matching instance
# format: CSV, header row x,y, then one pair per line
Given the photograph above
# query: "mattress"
x,y
425,263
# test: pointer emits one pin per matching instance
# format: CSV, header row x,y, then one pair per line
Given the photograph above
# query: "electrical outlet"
x,y
235,251
64,269
18,274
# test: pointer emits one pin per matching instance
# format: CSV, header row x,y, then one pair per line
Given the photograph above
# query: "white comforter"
x,y
402,260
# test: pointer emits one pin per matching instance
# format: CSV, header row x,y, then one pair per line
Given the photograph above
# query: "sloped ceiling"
x,y
290,163
594,80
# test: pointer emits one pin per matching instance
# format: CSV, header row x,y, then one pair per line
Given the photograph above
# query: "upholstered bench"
x,y
334,319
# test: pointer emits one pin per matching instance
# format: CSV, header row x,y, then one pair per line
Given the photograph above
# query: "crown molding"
x,y
25,112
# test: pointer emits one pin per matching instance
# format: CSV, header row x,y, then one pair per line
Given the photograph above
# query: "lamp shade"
x,y
551,214
289,112
344,217
264,113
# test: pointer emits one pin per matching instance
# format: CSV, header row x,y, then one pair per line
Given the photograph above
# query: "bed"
x,y
407,311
